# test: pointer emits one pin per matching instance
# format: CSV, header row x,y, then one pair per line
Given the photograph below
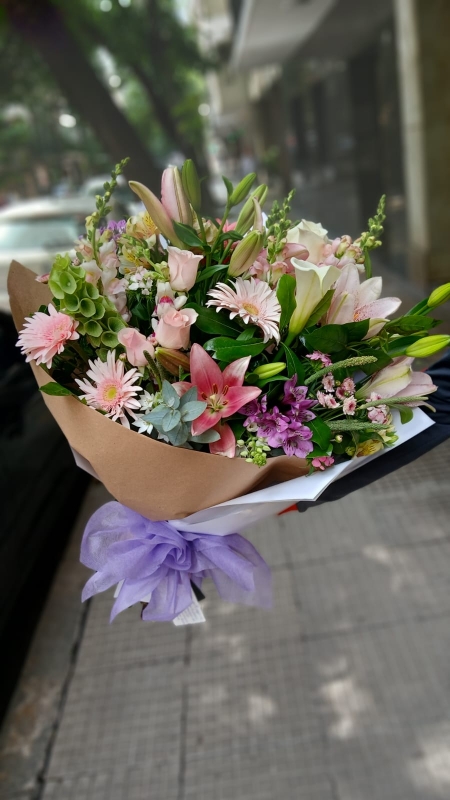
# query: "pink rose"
x,y
135,343
172,329
183,268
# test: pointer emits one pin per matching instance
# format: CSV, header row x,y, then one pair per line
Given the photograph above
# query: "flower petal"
x,y
421,385
205,372
226,445
237,397
205,421
234,373
379,308
369,291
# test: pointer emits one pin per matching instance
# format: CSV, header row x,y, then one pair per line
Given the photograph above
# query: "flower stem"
x,y
153,369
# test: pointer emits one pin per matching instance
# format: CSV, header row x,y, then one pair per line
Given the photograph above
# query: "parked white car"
x,y
34,231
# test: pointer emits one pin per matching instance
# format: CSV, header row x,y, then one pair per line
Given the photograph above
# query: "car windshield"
x,y
44,232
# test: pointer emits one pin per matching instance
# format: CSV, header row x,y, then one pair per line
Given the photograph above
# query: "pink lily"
x,y
353,301
222,391
398,380
173,196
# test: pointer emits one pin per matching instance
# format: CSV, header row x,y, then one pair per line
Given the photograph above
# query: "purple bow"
x,y
154,558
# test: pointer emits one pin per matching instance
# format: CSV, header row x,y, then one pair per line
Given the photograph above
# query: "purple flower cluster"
x,y
283,428
118,228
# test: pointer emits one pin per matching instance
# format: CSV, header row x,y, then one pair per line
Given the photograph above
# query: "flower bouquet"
x,y
202,367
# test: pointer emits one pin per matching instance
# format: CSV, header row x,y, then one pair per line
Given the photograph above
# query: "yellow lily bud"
x,y
269,370
428,346
245,254
439,296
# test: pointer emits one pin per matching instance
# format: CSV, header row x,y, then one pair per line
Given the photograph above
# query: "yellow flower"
x,y
369,447
141,226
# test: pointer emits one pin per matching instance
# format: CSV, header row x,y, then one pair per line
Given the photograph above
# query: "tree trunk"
x,y
42,27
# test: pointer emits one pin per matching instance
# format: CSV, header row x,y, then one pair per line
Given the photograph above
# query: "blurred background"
x,y
344,100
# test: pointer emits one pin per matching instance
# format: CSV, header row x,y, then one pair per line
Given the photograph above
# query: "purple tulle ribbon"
x,y
153,558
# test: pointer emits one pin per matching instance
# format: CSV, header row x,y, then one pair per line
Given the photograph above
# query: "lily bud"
x,y
174,198
245,254
246,217
157,212
191,184
428,346
241,191
172,360
269,370
439,296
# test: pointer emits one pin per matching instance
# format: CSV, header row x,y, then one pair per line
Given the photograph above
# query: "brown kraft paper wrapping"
x,y
153,478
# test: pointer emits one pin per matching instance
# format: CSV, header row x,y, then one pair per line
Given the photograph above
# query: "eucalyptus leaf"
x,y
188,396
179,435
206,438
171,420
192,410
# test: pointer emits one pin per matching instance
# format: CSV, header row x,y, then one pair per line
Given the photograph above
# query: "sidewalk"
x,y
339,693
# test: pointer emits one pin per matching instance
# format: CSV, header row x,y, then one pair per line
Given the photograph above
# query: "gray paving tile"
x,y
127,640
384,701
119,717
380,585
132,783
231,631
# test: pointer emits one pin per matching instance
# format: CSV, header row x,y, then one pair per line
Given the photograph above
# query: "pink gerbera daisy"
x,y
253,301
44,335
114,391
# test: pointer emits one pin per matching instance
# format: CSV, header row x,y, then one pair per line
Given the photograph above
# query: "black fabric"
x,y
405,453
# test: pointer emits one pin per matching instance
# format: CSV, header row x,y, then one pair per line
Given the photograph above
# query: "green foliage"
x,y
228,350
172,417
321,432
277,226
286,298
55,389
211,321
97,316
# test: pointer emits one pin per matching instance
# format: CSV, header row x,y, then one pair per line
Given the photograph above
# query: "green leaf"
x,y
156,416
170,396
211,321
192,410
206,438
92,328
356,331
87,307
208,272
321,308
247,333
397,347
228,185
411,324
179,435
293,363
67,282
187,234
383,360
228,350
140,311
419,308
321,432
264,381
55,389
229,236
328,339
286,298
171,420
406,413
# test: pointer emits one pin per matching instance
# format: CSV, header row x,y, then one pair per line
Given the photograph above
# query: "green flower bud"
x,y
191,184
241,190
246,217
269,370
245,254
427,346
439,296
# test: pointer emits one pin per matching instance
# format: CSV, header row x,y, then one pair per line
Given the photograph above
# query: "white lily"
x,y
311,235
398,380
312,284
